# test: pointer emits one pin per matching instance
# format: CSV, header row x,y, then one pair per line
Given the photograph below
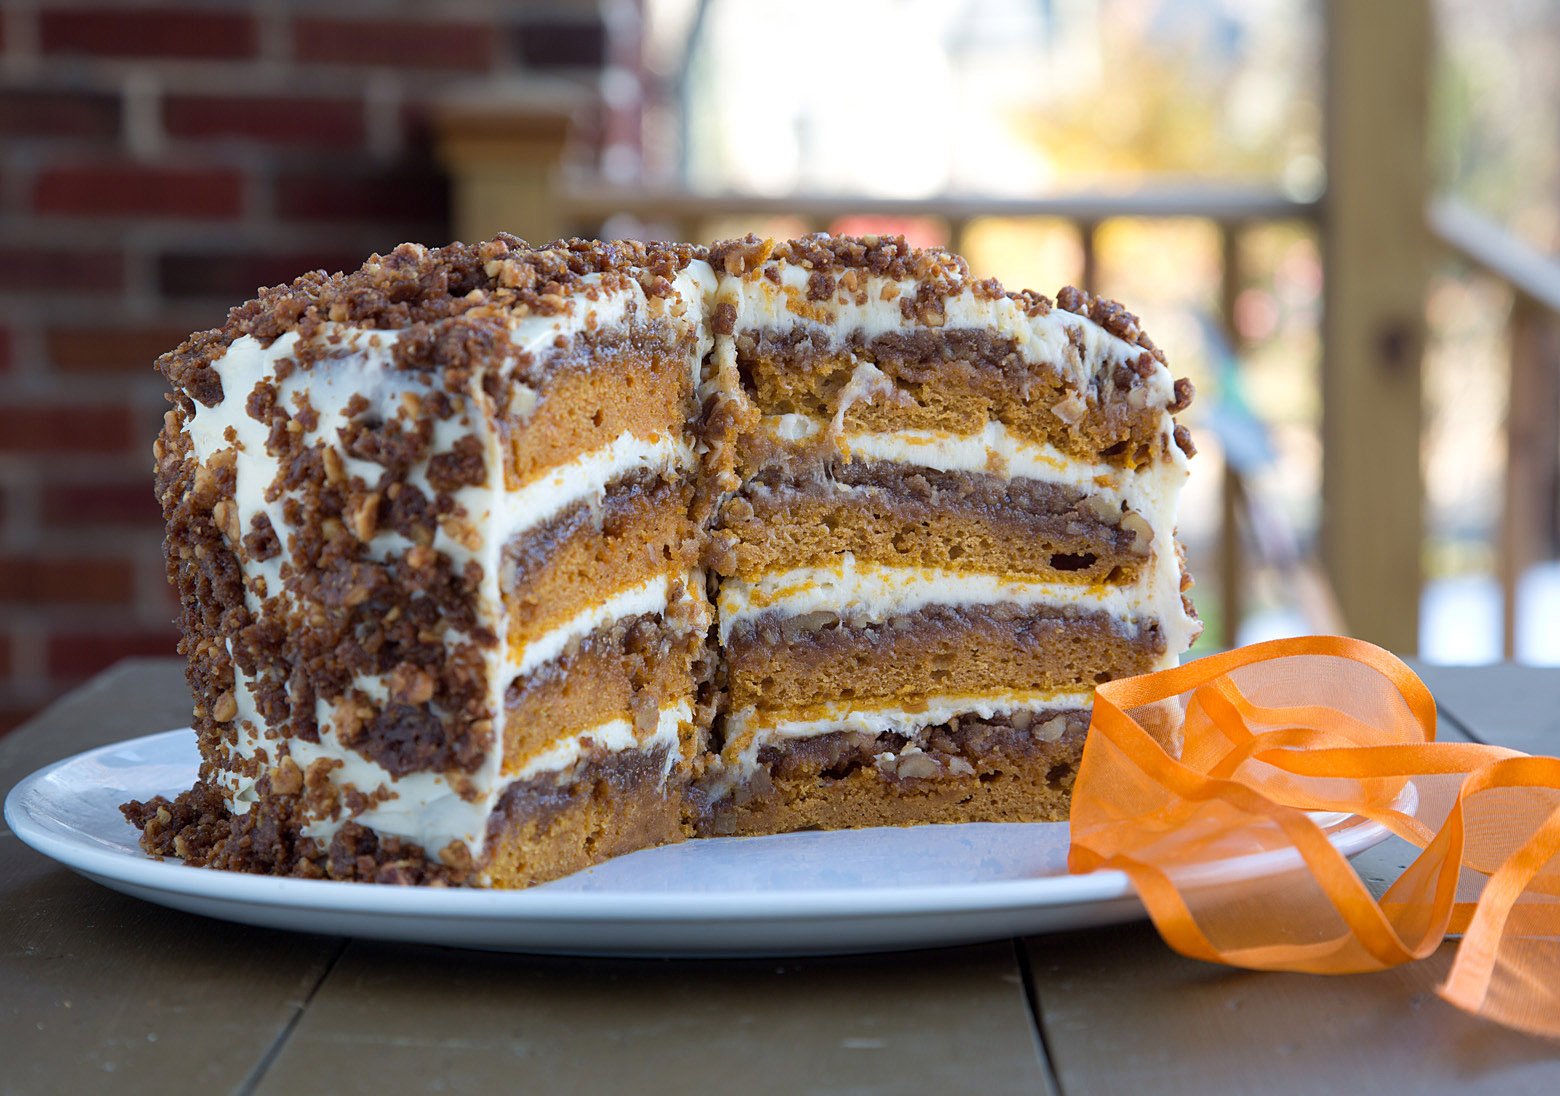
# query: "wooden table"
x,y
99,992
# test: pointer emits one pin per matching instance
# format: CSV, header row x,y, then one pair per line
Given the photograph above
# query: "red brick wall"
x,y
158,163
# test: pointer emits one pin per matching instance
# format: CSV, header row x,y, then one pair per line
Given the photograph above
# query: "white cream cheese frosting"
x,y
651,596
584,479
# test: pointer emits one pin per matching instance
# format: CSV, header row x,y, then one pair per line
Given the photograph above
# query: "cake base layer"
x,y
610,805
970,771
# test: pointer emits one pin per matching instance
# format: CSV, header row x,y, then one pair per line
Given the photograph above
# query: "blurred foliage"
x,y
1196,89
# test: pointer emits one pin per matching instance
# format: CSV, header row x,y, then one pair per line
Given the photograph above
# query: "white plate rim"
x,y
1350,834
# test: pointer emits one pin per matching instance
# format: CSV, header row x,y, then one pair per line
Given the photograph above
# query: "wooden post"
x,y
1232,556
1377,251
503,159
1088,244
1528,489
959,236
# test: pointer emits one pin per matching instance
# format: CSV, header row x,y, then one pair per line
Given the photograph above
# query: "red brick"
x,y
562,44
5,351
93,505
109,349
125,189
27,580
32,112
80,654
52,270
401,195
275,120
232,276
402,43
148,32
65,430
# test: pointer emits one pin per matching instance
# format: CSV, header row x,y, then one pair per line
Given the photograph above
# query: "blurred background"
x,y
1341,219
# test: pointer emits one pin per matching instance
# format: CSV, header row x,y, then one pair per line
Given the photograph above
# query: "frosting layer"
x,y
869,592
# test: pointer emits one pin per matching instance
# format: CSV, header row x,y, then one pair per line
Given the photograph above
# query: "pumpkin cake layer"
x,y
638,529
593,390
636,664
495,561
868,398
941,648
1015,766
886,512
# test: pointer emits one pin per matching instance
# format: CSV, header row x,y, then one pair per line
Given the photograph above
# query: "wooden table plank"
x,y
1516,706
104,992
1124,1014
1121,1012
410,1019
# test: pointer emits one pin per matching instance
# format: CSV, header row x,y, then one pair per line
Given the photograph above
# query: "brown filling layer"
x,y
642,386
611,804
630,669
956,380
640,529
893,514
967,770
777,662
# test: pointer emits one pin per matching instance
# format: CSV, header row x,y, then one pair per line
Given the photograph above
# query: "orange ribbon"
x,y
1266,734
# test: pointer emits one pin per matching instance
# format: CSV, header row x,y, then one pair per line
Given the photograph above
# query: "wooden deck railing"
x,y
1529,487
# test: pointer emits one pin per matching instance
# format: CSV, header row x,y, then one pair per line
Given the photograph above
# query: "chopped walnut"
x,y
410,684
1143,533
225,708
287,777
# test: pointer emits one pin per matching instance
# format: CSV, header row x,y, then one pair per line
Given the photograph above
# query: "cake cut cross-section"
x,y
495,561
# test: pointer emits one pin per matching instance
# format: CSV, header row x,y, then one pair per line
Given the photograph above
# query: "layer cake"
x,y
497,561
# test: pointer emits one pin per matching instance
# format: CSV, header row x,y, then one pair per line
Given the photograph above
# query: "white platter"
x,y
793,894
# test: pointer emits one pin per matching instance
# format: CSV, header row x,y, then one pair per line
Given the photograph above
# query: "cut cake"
x,y
497,561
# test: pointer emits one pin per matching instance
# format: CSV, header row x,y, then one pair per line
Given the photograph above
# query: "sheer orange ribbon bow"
x,y
1270,732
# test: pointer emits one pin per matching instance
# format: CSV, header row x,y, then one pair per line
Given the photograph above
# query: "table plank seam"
x,y
263,1066
1036,1020
1446,714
